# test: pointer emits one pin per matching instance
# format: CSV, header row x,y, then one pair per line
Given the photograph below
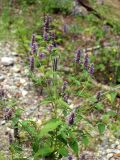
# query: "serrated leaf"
x,y
63,151
112,96
74,145
85,139
43,151
50,126
101,128
99,106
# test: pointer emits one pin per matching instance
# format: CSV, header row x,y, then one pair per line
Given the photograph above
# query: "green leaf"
x,y
63,151
101,128
99,106
73,143
50,126
85,139
111,96
106,118
43,151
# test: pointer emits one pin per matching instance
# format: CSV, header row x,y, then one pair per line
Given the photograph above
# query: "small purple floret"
x,y
70,158
86,61
71,118
91,71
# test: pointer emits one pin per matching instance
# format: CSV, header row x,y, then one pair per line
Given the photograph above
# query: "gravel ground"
x,y
16,85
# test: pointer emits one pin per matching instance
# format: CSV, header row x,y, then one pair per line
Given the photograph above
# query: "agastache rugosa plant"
x,y
31,63
71,118
86,62
78,54
91,70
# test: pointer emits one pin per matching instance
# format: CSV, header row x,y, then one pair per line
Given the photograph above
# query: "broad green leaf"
x,y
63,151
74,145
111,96
99,106
106,118
101,128
43,151
50,126
85,139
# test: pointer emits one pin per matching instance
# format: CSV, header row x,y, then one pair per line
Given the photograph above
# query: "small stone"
x,y
14,54
24,93
117,142
2,78
109,155
109,150
113,146
118,147
22,80
16,69
7,61
3,122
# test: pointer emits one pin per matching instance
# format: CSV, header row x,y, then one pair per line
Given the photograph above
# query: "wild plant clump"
x,y
76,114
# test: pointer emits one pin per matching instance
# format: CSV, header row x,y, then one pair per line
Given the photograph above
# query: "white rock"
x,y
14,54
118,147
117,142
3,122
113,146
109,150
6,61
22,80
24,93
2,77
109,155
16,69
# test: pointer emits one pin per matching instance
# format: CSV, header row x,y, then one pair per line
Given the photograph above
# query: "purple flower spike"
x,y
33,39
45,36
31,63
10,138
41,55
91,71
78,55
64,86
86,61
71,118
34,48
52,35
98,96
70,158
50,47
46,24
65,28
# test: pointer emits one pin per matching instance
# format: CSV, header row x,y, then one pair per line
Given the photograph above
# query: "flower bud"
x,y
71,118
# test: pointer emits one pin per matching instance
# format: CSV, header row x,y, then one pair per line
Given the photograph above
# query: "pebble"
x,y
3,122
24,92
2,78
7,61
16,69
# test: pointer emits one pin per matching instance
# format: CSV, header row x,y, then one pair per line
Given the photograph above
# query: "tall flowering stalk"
x,y
33,44
98,96
86,61
71,118
91,70
31,63
78,54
